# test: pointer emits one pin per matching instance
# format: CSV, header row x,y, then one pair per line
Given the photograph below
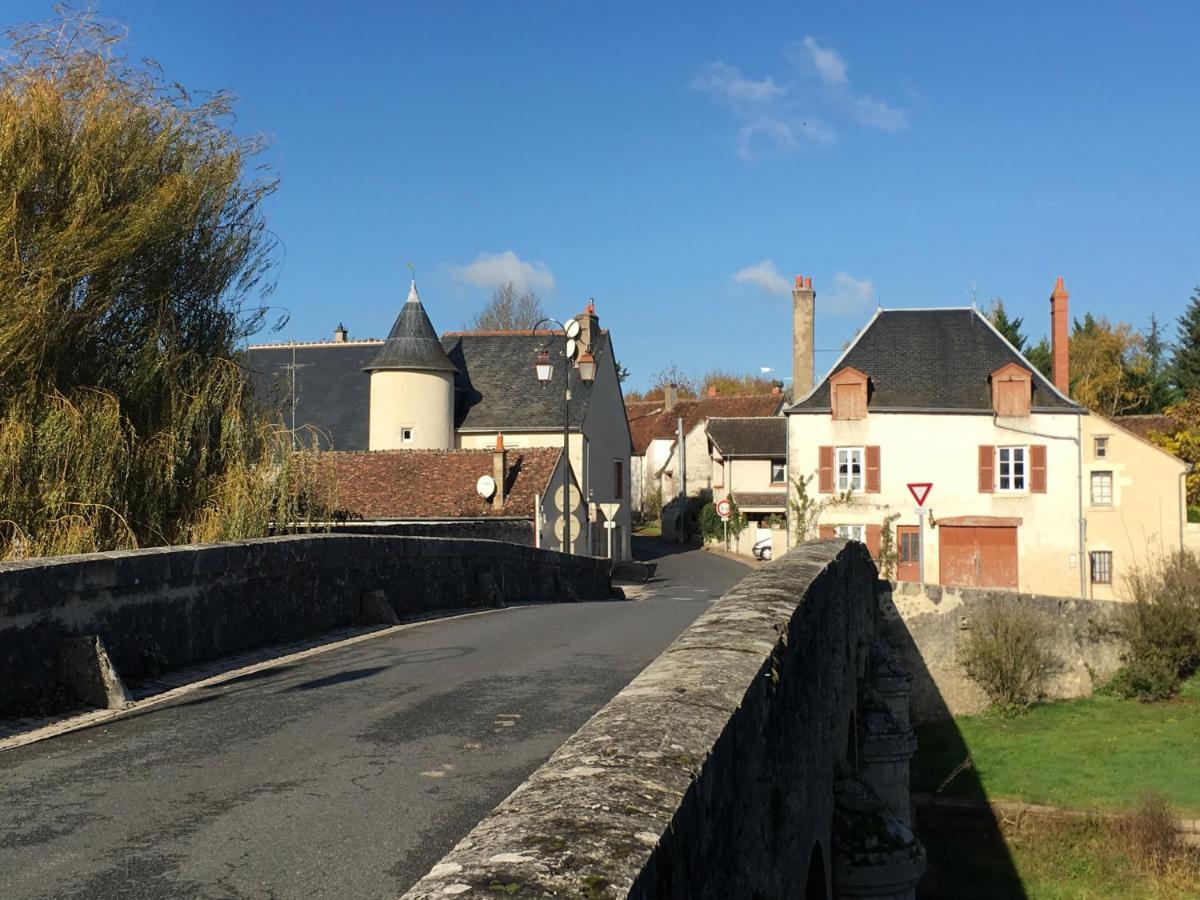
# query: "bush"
x,y
1007,653
1193,514
1161,628
713,529
1148,836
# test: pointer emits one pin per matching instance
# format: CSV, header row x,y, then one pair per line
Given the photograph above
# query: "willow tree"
x,y
134,256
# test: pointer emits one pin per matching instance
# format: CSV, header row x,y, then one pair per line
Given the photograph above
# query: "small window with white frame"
x,y
406,434
849,469
1100,447
1102,488
1102,566
851,532
1011,470
778,471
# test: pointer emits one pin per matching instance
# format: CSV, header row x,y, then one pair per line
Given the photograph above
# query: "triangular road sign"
x,y
920,490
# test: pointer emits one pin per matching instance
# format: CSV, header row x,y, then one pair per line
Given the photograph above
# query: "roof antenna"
x,y
412,271
973,293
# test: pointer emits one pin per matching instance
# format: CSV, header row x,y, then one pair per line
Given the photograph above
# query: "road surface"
x,y
347,774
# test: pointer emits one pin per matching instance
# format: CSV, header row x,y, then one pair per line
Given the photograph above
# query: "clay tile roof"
x,y
437,484
1142,426
649,421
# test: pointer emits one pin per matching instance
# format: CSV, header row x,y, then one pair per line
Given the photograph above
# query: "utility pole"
x,y
679,450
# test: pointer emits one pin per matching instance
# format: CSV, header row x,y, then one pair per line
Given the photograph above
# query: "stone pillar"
x,y
874,854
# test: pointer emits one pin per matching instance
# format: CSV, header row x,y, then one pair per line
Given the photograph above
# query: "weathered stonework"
x,y
928,624
712,774
168,607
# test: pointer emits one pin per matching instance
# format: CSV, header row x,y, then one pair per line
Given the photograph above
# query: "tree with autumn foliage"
x,y
1183,439
1110,371
738,384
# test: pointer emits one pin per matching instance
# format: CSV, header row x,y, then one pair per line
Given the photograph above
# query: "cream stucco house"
x,y
416,391
1029,490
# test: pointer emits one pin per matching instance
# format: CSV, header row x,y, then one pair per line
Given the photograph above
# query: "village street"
x,y
348,774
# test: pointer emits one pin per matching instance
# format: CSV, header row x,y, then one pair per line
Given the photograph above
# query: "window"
x,y
406,435
909,551
1102,483
1101,566
851,532
778,471
1010,469
618,480
849,469
1100,448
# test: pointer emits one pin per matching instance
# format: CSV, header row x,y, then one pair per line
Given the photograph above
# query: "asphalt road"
x,y
348,774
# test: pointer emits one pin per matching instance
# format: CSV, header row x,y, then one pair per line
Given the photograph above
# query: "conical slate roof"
x,y
412,342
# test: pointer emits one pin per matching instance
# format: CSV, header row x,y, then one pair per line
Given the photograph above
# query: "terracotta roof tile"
x,y
1142,426
437,484
648,420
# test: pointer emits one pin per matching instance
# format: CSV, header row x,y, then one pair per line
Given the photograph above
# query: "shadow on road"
x,y
336,678
651,548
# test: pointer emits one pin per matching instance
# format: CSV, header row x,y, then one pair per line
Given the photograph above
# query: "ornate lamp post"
x,y
544,367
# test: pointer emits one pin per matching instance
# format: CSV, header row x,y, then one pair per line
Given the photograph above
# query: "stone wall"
x,y
714,773
514,531
928,623
169,607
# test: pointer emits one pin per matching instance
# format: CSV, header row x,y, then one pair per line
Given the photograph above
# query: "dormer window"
x,y
848,393
1012,390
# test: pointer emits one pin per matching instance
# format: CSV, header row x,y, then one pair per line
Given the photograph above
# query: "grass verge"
x,y
1096,753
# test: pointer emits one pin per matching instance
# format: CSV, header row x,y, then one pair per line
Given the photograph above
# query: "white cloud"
x,y
828,62
849,296
764,276
728,82
877,114
497,269
776,117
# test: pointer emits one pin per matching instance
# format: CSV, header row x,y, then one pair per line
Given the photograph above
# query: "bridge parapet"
x,y
713,774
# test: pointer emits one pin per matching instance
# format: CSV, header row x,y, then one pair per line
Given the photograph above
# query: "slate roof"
x,y
333,393
932,359
412,343
437,484
760,499
649,420
496,387
759,436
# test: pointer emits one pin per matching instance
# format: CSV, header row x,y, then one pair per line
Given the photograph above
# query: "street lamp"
x,y
545,373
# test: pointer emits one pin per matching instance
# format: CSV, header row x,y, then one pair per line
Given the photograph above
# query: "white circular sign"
x,y
576,527
724,508
575,500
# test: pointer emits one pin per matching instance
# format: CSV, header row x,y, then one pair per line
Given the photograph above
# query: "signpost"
x,y
920,492
725,510
610,511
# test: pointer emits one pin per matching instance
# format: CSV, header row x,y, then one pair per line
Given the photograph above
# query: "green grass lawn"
x,y
650,529
1096,753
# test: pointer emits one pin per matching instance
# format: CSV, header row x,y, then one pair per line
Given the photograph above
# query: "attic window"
x,y
406,434
848,393
1012,390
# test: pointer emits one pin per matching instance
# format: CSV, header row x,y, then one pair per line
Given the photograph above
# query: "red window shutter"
x,y
874,539
987,468
825,470
872,470
826,531
1037,468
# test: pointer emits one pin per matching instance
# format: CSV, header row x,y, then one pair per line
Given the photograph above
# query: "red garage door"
x,y
975,556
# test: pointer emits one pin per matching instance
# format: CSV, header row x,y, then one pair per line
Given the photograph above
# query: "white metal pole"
x,y
537,520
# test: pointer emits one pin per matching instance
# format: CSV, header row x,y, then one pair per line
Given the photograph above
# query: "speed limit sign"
x,y
724,508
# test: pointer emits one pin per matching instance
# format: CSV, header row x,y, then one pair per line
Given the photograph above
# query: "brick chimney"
x,y
1059,346
499,471
670,396
712,390
804,300
340,334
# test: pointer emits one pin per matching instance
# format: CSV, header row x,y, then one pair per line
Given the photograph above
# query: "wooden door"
x,y
907,567
973,556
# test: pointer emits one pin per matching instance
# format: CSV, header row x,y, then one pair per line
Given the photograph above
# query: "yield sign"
x,y
920,490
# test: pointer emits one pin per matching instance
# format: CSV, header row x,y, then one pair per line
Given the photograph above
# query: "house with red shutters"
x,y
1024,481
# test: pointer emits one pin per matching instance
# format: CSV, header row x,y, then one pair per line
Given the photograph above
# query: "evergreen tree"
x,y
1039,356
1009,327
1160,395
1185,362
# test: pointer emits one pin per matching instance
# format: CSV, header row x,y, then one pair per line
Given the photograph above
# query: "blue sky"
x,y
682,162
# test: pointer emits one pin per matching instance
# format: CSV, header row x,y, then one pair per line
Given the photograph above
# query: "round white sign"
x,y
724,508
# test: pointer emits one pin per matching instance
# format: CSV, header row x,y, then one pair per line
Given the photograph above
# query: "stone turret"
x,y
412,386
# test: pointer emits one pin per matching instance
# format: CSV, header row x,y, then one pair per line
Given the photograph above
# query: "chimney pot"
x,y
339,334
670,396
